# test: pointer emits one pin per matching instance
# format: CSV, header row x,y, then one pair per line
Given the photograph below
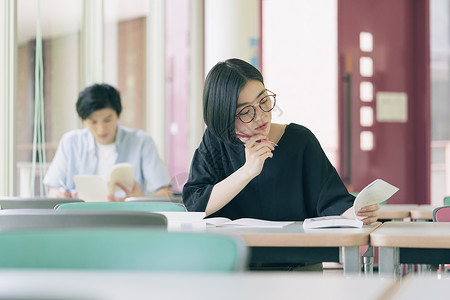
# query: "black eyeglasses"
x,y
266,104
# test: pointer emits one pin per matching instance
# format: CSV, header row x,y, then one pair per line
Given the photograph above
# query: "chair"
x,y
141,206
174,199
441,214
33,202
122,249
20,219
447,200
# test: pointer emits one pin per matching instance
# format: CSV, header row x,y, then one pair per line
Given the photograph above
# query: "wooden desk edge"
x,y
322,240
396,211
421,215
391,215
399,240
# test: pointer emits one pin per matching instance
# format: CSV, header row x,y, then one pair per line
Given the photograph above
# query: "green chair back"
x,y
140,206
33,202
22,219
122,249
447,201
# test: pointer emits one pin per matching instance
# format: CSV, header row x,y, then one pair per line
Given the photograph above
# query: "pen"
x,y
65,186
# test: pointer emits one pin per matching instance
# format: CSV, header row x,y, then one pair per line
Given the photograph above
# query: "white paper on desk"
x,y
183,217
376,192
247,222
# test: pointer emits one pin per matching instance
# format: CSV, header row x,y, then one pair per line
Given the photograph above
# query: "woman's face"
x,y
102,124
251,94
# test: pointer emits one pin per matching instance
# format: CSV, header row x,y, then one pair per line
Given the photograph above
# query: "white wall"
x,y
231,29
300,65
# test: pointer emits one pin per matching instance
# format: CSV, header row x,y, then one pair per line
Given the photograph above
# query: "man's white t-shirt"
x,y
107,157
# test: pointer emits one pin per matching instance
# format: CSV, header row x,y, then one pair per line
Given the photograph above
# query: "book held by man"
x,y
94,188
374,193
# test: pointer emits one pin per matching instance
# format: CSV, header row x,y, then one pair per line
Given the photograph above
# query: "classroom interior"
x,y
370,78
374,93
376,98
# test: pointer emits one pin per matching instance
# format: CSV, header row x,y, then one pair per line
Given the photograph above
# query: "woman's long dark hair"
x,y
223,85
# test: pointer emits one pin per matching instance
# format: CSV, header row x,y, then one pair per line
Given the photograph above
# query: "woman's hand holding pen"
x,y
257,149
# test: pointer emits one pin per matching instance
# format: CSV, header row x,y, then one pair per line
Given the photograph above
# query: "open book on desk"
x,y
94,188
247,222
376,192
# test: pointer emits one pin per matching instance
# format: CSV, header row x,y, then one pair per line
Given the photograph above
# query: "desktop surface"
x,y
92,285
294,235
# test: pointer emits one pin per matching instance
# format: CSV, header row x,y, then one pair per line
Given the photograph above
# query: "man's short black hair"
x,y
96,97
223,85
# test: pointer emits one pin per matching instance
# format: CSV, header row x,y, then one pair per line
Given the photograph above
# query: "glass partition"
x,y
60,25
119,37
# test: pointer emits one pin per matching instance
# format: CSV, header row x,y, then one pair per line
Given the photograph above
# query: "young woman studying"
x,y
247,166
102,144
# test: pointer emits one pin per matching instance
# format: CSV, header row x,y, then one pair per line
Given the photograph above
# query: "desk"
x,y
422,287
112,285
395,211
423,212
410,243
292,244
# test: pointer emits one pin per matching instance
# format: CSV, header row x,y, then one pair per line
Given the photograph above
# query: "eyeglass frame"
x,y
259,105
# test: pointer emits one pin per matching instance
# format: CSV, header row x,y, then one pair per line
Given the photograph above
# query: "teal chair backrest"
x,y
447,201
33,202
141,206
122,249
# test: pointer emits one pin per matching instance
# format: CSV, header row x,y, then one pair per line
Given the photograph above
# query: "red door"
x,y
384,95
